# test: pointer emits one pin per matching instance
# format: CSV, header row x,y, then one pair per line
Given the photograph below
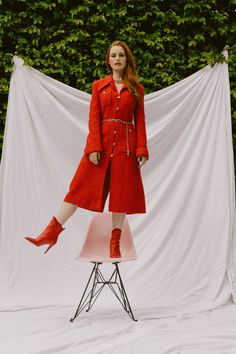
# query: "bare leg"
x,y
65,212
117,220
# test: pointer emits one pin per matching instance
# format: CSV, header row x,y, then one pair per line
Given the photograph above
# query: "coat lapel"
x,y
108,80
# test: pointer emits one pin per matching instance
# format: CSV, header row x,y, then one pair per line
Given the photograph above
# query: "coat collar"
x,y
104,81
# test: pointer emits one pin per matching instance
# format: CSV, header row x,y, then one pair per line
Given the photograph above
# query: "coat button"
x,y
111,155
117,108
104,91
114,144
130,130
114,131
118,96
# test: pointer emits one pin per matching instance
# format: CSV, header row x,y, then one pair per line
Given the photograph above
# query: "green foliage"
x,y
67,40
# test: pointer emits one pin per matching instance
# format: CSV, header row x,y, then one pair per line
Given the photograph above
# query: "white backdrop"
x,y
185,242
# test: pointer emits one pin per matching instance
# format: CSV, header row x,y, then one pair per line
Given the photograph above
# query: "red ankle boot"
x,y
115,244
49,235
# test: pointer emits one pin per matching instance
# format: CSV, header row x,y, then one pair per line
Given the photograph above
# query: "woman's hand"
x,y
141,161
94,157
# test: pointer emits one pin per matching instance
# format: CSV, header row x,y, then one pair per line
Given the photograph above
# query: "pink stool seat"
x,y
96,247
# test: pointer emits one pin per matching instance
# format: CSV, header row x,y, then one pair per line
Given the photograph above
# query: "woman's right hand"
x,y
94,157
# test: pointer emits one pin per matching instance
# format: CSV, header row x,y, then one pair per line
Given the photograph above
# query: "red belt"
x,y
120,121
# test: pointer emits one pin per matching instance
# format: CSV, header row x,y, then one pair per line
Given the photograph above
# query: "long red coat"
x,y
119,144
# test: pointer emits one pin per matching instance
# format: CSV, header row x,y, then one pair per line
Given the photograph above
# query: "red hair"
x,y
129,73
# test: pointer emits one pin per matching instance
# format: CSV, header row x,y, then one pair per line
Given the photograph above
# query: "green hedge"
x,y
68,39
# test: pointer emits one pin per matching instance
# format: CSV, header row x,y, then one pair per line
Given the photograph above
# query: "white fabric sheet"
x,y
185,242
47,330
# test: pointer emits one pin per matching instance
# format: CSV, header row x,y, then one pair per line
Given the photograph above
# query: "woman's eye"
x,y
114,55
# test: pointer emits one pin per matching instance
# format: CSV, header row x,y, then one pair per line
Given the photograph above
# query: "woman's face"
x,y
117,58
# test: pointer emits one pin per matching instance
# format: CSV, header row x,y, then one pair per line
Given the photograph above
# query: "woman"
x,y
116,148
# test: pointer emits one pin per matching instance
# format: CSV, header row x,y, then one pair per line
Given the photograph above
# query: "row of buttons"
x,y
113,143
117,108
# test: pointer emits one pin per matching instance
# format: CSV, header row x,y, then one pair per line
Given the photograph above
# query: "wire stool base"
x,y
97,283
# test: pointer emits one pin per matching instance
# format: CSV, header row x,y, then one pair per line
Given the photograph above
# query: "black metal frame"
x,y
93,293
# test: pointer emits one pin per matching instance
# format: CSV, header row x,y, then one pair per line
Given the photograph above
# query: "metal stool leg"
x,y
126,303
93,287
82,301
115,279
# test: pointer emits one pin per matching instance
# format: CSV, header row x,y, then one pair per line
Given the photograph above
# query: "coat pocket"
x,y
105,97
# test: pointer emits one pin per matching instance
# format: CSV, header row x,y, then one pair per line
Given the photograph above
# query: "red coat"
x,y
120,144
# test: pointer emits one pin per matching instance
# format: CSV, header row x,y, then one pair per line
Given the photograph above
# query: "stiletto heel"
x,y
49,248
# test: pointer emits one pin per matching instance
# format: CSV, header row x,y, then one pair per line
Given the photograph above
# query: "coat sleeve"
x,y
139,118
93,143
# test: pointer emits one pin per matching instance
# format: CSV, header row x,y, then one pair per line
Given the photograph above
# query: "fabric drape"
x,y
185,241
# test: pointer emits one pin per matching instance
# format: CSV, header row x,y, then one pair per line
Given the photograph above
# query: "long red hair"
x,y
129,73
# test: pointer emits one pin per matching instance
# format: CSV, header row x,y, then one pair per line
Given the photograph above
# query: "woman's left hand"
x,y
141,161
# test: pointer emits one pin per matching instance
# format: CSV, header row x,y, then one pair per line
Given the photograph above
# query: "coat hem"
x,y
100,210
83,206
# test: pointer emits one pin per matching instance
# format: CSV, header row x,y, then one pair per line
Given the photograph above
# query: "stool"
x,y
96,249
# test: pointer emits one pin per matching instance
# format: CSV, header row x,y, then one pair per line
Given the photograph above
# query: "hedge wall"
x,y
68,39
